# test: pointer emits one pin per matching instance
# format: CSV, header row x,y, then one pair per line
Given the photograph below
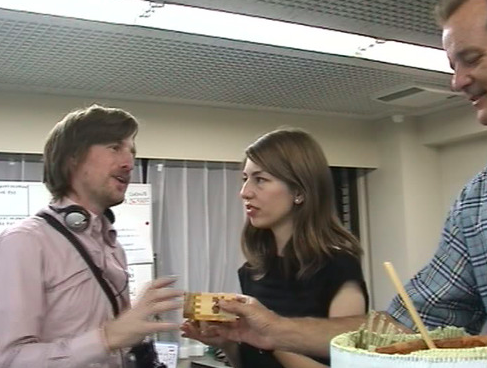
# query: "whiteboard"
x,y
19,200
139,276
133,222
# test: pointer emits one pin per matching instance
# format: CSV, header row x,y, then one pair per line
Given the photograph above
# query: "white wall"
x,y
452,125
186,132
459,162
462,146
404,210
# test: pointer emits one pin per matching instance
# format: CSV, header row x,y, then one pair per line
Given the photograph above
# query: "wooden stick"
x,y
463,342
409,305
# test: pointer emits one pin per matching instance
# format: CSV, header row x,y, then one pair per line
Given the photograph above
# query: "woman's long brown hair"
x,y
295,158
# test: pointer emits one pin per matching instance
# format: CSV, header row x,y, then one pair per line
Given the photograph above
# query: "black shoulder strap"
x,y
82,251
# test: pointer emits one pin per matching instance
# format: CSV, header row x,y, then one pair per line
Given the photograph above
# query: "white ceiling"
x,y
76,57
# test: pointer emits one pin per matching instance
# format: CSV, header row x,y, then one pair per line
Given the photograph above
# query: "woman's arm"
x,y
291,360
348,301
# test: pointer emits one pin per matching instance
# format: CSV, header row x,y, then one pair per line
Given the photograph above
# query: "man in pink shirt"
x,y
53,311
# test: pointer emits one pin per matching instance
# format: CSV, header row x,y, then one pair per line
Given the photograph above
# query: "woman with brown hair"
x,y
301,261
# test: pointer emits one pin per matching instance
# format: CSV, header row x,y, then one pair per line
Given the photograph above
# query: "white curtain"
x,y
198,217
197,221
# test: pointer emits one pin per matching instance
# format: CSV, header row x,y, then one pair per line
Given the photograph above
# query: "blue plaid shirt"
x,y
452,288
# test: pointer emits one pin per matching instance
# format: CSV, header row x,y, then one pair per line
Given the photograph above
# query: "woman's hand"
x,y
204,333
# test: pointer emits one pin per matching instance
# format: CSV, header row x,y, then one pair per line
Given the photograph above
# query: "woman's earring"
x,y
297,200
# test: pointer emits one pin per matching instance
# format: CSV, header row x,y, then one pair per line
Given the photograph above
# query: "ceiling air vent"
x,y
415,96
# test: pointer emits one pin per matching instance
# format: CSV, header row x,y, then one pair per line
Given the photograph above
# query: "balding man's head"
x,y
445,8
465,42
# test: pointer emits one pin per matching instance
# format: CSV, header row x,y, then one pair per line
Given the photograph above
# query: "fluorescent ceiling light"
x,y
239,27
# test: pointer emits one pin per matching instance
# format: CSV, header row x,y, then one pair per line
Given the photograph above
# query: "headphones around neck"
x,y
77,219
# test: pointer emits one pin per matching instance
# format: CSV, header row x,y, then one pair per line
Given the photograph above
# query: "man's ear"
x,y
72,162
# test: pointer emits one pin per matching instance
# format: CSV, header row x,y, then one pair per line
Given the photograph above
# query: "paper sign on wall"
x,y
139,276
134,224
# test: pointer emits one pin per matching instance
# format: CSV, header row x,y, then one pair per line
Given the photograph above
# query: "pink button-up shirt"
x,y
51,305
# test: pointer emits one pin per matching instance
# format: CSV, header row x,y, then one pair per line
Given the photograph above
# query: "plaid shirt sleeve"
x,y
445,292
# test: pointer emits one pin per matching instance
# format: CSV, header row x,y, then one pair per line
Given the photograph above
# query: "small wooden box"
x,y
204,307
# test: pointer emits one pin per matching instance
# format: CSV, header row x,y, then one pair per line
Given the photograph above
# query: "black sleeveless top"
x,y
296,298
